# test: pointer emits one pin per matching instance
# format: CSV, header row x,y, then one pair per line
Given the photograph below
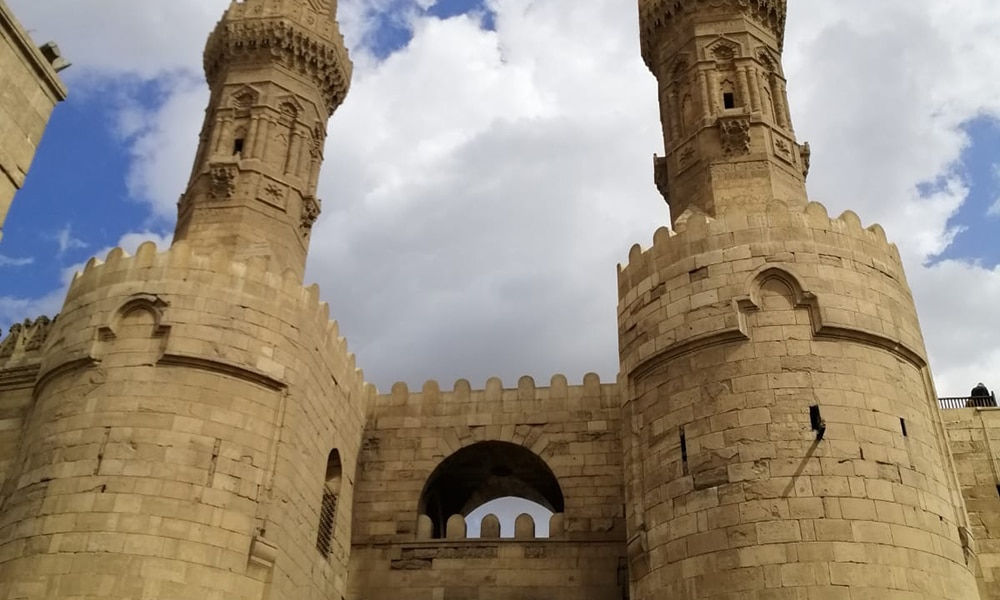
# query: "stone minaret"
x,y
782,436
195,418
277,69
723,107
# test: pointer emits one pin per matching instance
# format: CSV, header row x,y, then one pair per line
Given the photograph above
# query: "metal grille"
x,y
327,518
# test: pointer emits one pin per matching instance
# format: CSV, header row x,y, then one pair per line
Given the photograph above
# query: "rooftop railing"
x,y
968,402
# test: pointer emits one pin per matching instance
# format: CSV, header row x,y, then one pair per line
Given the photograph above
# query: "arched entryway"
x,y
484,472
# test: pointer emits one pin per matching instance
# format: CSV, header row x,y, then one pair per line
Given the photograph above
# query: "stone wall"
x,y
177,446
974,434
20,358
559,446
31,89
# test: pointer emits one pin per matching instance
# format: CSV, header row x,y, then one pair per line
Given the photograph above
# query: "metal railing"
x,y
968,402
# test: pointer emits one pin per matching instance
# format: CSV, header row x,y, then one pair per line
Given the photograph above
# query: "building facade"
x,y
192,424
31,89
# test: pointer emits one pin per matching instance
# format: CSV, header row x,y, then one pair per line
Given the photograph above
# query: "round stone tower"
x,y
782,434
197,418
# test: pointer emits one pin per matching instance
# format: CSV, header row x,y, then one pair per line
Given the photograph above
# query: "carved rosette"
x,y
310,212
734,134
222,181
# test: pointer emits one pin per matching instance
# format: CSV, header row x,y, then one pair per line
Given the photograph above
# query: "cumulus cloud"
x,y
481,185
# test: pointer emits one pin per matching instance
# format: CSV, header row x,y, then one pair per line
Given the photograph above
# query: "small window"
x,y
238,146
729,100
684,452
902,426
328,508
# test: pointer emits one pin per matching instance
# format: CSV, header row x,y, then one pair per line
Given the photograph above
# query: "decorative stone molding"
x,y
222,181
735,136
286,43
656,15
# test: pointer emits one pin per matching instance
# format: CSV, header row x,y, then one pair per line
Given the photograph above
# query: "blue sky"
x,y
979,217
537,120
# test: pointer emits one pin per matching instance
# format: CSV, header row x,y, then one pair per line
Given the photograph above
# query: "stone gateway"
x,y
192,424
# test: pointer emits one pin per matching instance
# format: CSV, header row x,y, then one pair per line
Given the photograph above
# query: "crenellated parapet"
x,y
557,396
168,280
299,37
701,281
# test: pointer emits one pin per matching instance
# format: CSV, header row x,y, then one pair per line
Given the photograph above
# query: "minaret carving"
x,y
724,58
277,70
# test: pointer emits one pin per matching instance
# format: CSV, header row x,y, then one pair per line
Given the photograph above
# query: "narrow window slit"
x,y
684,451
817,422
902,425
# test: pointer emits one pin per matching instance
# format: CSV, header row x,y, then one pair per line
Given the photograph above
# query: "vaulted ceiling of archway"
x,y
486,471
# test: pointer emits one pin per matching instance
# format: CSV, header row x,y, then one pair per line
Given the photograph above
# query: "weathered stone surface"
x,y
31,89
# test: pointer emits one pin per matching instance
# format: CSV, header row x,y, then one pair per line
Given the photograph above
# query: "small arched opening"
x,y
328,507
485,472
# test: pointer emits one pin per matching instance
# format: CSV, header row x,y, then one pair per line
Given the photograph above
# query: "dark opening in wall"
x,y
684,451
817,422
238,146
902,426
478,474
729,100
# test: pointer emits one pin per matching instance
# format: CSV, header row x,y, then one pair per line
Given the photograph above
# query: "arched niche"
x,y
483,472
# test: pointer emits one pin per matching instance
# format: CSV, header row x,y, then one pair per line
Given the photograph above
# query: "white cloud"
x,y
6,261
994,209
65,241
480,186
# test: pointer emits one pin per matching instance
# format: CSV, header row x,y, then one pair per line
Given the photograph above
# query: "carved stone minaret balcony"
x,y
277,70
726,126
